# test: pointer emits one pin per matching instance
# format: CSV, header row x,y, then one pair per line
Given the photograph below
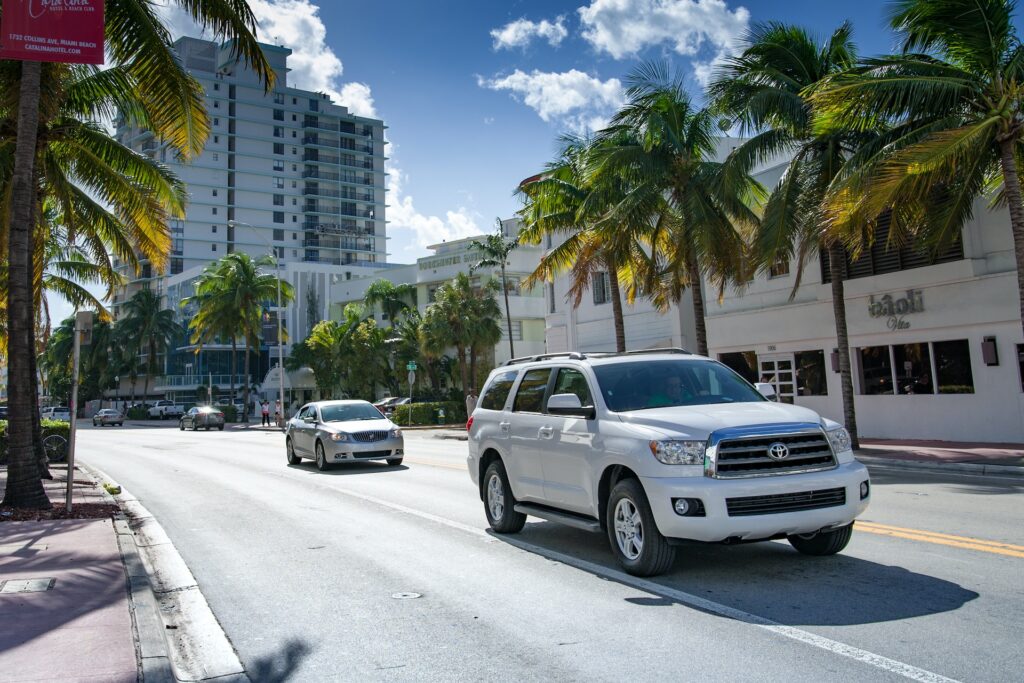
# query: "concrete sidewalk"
x,y
77,625
987,458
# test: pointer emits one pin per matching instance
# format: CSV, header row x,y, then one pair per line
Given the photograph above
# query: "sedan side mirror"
x,y
766,389
310,419
569,404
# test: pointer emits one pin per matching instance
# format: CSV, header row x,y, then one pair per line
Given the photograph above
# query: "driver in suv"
x,y
659,448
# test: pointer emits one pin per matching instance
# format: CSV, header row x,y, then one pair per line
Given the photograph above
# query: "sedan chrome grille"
x,y
370,437
769,450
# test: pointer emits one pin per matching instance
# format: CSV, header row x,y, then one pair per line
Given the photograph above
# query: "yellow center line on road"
x,y
965,542
435,463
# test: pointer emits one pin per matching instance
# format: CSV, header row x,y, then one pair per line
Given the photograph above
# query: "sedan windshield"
x,y
641,385
350,412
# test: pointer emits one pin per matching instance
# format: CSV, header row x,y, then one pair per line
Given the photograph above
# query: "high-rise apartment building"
x,y
286,172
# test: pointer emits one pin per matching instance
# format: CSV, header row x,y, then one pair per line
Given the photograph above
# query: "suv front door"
x,y
566,447
525,423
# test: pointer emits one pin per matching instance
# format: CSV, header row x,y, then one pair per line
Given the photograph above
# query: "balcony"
x,y
315,157
313,122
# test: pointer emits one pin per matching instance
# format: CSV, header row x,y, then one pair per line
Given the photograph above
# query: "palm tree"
x,y
494,251
393,299
955,91
151,327
214,316
662,148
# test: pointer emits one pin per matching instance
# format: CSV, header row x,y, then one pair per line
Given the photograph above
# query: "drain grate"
x,y
27,585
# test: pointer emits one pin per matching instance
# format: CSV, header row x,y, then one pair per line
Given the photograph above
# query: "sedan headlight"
x,y
679,452
839,439
339,436
395,433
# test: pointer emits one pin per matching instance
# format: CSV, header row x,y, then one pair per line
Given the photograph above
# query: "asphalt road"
x,y
302,570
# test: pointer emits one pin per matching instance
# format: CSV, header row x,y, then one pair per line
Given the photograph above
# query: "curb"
x,y
456,437
974,468
179,638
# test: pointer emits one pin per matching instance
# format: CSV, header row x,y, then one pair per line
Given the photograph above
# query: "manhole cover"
x,y
27,585
406,596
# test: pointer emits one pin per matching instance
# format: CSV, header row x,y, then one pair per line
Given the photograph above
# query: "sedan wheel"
x,y
181,425
290,452
321,457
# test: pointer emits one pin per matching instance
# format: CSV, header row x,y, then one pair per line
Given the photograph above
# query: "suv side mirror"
x,y
766,389
569,404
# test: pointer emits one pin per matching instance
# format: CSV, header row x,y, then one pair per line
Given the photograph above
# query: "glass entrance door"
x,y
778,371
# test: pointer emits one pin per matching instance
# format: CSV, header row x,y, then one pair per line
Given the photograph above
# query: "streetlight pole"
x,y
280,336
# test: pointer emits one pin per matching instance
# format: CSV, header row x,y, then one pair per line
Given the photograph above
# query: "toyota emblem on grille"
x,y
778,451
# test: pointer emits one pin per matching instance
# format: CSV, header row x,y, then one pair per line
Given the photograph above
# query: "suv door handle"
x,y
546,432
504,426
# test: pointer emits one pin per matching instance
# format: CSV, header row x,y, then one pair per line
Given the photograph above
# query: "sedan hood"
x,y
353,426
698,422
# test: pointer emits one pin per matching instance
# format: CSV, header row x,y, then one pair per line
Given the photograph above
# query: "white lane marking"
x,y
833,646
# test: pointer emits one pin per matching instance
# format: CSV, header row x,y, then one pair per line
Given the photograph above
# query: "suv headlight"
x,y
839,439
679,452
339,436
395,433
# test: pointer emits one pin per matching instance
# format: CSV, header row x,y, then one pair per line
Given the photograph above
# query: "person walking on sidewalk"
x,y
265,410
471,402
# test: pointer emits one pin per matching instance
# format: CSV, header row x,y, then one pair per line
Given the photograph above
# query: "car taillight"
x,y
469,423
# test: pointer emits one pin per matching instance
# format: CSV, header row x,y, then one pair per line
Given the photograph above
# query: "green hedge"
x,y
138,413
427,413
48,426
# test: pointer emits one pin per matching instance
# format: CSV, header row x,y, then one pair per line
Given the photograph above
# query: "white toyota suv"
x,y
657,449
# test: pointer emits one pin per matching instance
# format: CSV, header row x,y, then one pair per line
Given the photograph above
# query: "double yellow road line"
x,y
964,542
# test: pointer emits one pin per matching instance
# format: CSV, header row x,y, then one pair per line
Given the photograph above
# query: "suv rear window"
x,y
530,397
497,391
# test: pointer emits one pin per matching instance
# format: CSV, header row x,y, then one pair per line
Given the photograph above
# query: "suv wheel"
x,y
632,533
823,542
499,504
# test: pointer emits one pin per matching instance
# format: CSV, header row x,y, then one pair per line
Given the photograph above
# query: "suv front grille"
x,y
748,457
785,502
370,437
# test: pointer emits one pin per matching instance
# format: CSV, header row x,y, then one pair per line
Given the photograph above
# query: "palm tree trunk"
x,y
245,387
508,316
472,366
24,486
234,366
697,290
461,352
1011,181
620,323
836,261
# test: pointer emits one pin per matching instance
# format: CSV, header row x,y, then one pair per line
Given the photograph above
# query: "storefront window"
x,y
913,369
744,363
953,367
810,373
875,370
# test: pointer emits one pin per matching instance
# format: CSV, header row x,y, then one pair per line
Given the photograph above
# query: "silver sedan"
x,y
342,431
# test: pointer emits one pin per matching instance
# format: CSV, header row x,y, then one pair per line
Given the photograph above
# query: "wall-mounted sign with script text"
x,y
893,308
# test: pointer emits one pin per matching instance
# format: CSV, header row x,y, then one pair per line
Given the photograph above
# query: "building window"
x,y
779,269
295,150
279,165
743,363
213,247
216,157
431,294
216,86
279,114
279,183
551,297
216,121
295,134
811,379
875,370
279,252
278,200
602,288
216,104
517,330
913,366
295,235
279,98
295,201
295,167
278,148
278,234
279,216
213,229
177,265
215,211
953,367
278,132
295,219
216,139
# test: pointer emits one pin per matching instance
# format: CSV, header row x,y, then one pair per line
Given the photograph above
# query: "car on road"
x,y
56,413
165,410
108,416
331,432
657,449
206,417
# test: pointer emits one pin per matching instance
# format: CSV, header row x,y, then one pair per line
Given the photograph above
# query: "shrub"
x,y
48,427
427,413
138,413
230,413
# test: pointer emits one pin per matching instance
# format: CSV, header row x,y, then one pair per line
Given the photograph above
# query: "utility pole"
x,y
83,334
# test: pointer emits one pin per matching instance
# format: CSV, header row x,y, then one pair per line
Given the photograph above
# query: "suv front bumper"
x,y
717,525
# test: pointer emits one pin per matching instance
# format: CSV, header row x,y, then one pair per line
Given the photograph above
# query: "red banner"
x,y
52,31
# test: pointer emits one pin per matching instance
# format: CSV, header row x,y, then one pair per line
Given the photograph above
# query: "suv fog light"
x,y
688,507
865,489
681,506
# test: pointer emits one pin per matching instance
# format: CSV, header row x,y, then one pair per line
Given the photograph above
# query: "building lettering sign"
x,y
439,262
68,31
893,309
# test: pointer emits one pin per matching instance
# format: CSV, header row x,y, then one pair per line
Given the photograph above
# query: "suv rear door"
x,y
526,422
566,447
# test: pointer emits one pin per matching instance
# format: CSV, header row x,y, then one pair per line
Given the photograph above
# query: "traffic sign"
x,y
411,365
412,378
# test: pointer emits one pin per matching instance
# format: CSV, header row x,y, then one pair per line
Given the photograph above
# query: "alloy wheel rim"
x,y
495,497
629,529
321,460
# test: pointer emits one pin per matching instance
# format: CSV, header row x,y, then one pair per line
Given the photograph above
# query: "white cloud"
x,y
571,98
693,28
426,230
358,98
520,32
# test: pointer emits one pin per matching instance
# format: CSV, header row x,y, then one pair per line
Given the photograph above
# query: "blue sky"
x,y
476,93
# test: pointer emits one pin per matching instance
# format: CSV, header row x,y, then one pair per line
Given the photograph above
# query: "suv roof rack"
x,y
668,349
572,355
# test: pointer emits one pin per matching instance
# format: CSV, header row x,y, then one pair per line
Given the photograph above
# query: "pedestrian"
x,y
277,412
265,410
470,402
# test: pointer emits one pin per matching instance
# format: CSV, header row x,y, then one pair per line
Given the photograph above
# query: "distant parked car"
x,y
164,410
3,412
108,416
207,417
385,402
56,413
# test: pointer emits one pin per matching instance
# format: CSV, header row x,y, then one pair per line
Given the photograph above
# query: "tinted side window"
x,y
530,396
497,391
571,381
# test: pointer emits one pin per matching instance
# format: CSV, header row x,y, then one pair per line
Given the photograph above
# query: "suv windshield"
x,y
639,385
353,411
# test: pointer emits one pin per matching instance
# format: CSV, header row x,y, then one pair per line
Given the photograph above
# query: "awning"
x,y
293,379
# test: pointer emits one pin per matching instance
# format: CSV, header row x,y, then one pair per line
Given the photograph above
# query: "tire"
x,y
220,428
195,426
823,542
181,425
56,448
94,423
321,458
290,453
394,462
499,503
633,534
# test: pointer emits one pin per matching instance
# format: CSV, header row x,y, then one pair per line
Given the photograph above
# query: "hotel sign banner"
x,y
68,31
